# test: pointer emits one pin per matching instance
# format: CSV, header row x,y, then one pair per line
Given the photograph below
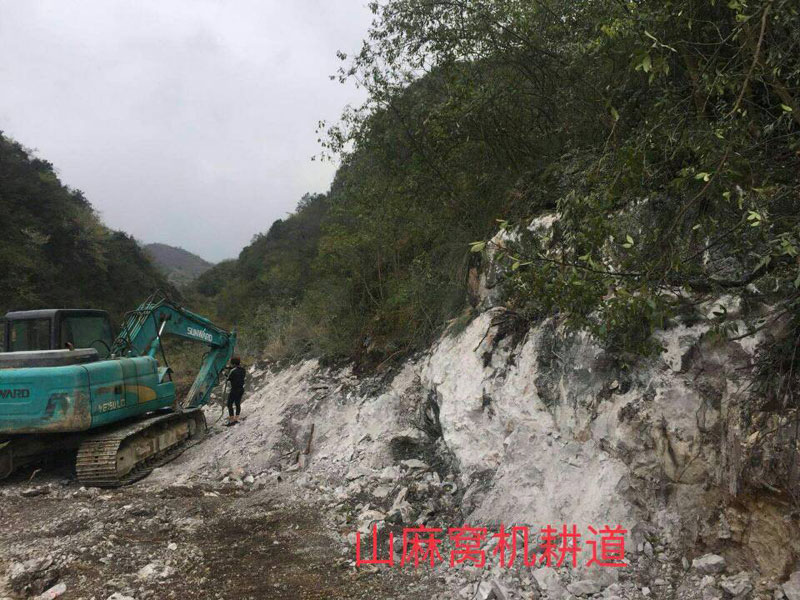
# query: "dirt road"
x,y
205,540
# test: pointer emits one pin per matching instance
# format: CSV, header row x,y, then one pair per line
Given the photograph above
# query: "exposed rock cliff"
x,y
503,425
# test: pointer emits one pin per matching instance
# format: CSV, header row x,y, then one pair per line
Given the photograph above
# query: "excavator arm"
x,y
158,316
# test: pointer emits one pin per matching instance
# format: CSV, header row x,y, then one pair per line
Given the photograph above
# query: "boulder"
x,y
401,511
415,464
584,587
381,492
709,563
54,592
647,548
367,518
484,591
32,577
149,571
791,588
500,591
711,593
154,571
548,581
738,585
392,473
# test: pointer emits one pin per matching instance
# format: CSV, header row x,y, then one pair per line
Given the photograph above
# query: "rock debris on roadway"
x,y
481,431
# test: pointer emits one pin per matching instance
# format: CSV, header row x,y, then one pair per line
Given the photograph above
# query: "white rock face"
x,y
546,429
497,419
564,440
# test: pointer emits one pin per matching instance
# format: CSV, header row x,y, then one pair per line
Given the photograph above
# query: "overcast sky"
x,y
188,122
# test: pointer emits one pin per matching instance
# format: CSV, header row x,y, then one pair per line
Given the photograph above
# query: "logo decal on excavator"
x,y
110,405
200,334
133,394
18,393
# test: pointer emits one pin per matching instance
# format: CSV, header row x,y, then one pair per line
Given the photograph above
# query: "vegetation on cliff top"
x,y
664,134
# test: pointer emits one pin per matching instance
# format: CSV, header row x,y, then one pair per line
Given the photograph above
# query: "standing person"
x,y
236,380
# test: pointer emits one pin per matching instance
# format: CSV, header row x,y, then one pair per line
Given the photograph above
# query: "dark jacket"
x,y
236,378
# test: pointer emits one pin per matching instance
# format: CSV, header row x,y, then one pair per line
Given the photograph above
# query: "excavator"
x,y
67,384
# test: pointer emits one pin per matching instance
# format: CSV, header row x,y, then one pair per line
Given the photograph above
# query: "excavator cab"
x,y
58,329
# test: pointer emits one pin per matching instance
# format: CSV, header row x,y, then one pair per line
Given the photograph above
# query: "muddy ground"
x,y
210,539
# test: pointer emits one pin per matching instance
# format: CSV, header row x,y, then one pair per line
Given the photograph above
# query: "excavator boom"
x,y
156,317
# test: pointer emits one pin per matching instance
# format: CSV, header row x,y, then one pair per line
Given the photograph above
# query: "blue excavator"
x,y
67,384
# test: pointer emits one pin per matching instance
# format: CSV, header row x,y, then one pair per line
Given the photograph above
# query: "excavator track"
x,y
124,455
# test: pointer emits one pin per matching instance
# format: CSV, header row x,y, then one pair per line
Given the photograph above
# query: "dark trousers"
x,y
235,399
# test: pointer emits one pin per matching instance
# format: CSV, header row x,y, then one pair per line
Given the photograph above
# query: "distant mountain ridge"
x,y
180,266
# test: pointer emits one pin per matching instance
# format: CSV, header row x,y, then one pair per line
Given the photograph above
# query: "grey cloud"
x,y
189,122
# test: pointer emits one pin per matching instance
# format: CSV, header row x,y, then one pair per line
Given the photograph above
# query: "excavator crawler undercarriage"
x,y
124,455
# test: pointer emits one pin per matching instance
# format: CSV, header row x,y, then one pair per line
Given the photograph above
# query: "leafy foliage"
x,y
664,136
55,252
268,280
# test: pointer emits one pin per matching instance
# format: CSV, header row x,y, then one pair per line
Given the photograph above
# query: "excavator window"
x,y
29,334
87,332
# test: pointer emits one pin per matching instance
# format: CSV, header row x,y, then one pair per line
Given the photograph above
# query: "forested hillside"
x,y
268,290
663,135
180,266
55,252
